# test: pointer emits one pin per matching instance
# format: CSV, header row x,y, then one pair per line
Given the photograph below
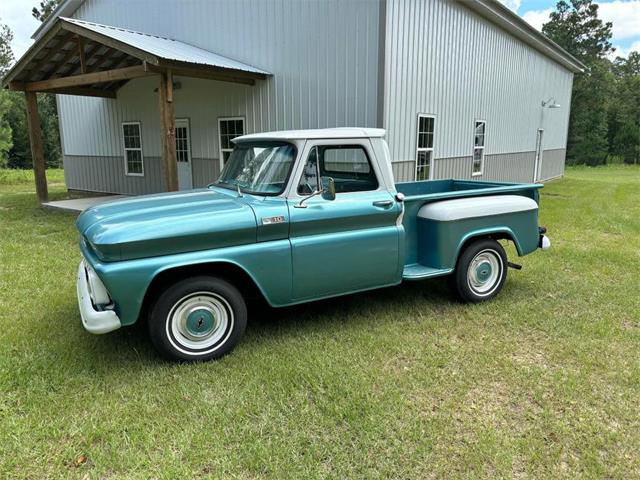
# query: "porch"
x,y
86,59
79,205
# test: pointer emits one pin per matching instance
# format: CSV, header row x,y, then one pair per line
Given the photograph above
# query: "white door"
x,y
539,150
183,154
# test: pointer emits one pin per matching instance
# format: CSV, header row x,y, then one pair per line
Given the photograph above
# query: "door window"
x,y
182,144
348,165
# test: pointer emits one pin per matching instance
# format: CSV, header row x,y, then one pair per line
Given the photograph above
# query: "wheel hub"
x,y
484,272
200,322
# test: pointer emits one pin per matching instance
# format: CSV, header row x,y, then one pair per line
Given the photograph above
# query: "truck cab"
x,y
295,216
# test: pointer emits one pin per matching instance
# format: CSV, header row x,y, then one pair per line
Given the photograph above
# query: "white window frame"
x,y
482,148
424,149
220,149
126,149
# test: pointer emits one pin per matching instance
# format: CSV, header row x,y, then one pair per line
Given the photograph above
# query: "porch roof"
x,y
84,58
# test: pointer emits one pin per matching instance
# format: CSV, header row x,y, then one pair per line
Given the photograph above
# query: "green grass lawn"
x,y
402,382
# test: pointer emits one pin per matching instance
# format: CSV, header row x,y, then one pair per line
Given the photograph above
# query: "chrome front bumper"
x,y
94,321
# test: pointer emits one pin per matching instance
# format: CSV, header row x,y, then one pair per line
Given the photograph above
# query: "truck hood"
x,y
162,224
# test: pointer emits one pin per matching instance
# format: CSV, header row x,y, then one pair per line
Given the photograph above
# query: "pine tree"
x,y
575,26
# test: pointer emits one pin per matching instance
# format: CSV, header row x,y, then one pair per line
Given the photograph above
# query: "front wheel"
x,y
199,318
481,271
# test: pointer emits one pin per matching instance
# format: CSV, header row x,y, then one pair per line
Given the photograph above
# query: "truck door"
x,y
350,243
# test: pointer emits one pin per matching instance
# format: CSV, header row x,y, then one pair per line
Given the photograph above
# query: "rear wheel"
x,y
199,318
481,271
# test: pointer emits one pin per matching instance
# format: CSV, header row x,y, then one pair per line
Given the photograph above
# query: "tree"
x,y
47,102
15,150
6,54
575,26
6,59
624,119
46,9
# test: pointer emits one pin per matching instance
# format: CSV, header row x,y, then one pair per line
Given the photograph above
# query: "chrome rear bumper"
x,y
94,321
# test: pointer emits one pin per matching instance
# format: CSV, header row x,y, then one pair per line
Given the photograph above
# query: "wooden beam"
x,y
203,73
169,86
76,69
188,66
85,92
83,61
168,134
68,54
46,58
87,79
37,150
109,41
104,58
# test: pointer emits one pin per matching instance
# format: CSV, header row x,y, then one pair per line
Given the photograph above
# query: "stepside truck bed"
x,y
417,194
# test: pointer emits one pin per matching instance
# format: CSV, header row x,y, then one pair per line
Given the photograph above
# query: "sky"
x,y
625,15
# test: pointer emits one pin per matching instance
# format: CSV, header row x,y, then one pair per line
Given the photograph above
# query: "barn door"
x,y
183,154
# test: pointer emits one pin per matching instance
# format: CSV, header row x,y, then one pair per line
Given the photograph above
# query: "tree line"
x,y
604,123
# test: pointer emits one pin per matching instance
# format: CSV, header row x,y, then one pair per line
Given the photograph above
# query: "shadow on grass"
x,y
131,345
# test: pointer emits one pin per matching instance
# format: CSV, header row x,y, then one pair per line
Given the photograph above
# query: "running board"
x,y
416,271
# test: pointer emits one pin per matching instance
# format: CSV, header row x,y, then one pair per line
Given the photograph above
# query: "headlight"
x,y
97,290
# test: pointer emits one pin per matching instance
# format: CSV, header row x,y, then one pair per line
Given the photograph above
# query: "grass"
x,y
397,383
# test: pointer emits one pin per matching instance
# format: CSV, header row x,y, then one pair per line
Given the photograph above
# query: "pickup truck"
x,y
295,216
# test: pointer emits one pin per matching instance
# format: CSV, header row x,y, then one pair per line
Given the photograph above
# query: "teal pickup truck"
x,y
295,216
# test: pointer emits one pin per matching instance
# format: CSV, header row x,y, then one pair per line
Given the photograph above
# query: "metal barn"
x,y
151,93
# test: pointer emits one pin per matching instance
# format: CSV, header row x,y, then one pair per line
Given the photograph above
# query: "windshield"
x,y
261,168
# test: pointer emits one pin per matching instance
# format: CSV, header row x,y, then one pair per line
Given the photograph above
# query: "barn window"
x,y
424,151
228,129
133,160
478,148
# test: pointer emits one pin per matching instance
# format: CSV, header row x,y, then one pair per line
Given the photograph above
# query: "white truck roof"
x,y
346,132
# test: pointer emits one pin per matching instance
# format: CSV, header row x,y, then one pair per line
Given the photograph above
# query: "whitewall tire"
x,y
481,271
198,318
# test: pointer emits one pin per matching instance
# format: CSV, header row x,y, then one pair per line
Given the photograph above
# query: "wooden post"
x,y
83,62
37,152
168,132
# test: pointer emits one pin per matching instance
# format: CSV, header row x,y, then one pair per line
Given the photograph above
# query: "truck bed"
x,y
419,193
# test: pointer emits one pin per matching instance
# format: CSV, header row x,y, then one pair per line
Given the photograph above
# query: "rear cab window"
x,y
348,165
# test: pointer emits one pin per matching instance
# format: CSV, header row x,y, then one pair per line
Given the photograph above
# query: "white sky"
x,y
17,14
625,15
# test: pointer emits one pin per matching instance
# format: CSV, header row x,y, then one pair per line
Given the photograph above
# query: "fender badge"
x,y
272,220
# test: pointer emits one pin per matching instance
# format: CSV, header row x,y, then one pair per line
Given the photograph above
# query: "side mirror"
x,y
328,188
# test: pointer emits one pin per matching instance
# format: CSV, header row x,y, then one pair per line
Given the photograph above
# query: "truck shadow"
x,y
266,321
130,346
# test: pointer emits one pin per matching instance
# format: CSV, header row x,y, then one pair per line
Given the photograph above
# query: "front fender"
x,y
268,264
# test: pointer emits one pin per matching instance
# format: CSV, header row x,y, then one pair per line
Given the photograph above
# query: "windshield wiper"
x,y
234,184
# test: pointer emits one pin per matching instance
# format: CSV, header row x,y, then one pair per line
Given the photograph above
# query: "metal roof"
x,y
318,133
165,48
492,10
500,15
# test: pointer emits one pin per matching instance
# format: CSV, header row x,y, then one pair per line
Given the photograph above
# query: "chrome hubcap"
x,y
484,272
199,322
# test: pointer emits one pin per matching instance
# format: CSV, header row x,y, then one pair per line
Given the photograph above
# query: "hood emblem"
x,y
272,220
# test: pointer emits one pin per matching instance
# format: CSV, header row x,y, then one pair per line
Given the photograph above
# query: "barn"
x,y
151,95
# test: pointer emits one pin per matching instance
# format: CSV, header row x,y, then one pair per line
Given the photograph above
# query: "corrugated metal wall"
x,y
552,163
324,55
443,59
440,58
106,174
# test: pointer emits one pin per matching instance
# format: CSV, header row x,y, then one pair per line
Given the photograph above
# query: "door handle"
x,y
383,203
